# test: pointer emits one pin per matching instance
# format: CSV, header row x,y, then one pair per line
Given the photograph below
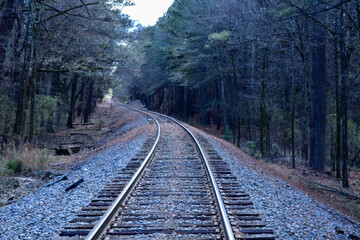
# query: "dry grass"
x,y
23,159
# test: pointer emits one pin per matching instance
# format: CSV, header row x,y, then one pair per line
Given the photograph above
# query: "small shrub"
x,y
253,150
351,206
251,146
275,150
24,159
257,155
228,136
220,37
8,183
14,166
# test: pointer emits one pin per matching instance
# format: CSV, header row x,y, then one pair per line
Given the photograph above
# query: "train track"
x,y
172,189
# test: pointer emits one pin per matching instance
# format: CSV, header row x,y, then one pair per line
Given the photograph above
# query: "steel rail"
x,y
100,227
229,234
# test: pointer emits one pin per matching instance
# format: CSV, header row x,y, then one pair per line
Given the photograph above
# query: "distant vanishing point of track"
x,y
171,190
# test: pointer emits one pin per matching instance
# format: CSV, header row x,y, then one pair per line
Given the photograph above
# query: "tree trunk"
x,y
358,14
186,103
206,118
248,120
253,105
223,101
182,101
33,79
317,143
286,114
7,21
88,107
239,132
304,125
80,108
69,123
303,50
32,109
293,121
218,116
171,100
343,66
268,135
338,113
19,120
14,77
237,116
262,118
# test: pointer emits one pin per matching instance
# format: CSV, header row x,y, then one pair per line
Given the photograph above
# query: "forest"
x,y
279,78
56,59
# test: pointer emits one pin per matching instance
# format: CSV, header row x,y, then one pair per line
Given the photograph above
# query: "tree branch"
x,y
68,10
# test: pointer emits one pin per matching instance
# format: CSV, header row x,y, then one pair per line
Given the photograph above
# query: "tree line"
x,y
281,76
56,59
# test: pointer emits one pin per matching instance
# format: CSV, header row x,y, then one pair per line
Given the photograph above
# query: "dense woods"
x,y
279,78
56,60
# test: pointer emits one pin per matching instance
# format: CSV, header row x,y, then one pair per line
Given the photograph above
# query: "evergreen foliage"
x,y
262,71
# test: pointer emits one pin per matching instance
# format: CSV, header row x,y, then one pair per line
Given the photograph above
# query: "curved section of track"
x,y
224,216
109,215
226,226
173,194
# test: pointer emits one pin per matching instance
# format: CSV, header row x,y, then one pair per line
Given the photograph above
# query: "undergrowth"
x,y
23,159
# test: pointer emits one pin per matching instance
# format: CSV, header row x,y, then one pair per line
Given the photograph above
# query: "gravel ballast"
x,y
42,214
288,211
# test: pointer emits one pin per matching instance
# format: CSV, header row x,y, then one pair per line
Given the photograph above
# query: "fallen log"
x,y
62,152
83,124
67,150
334,190
74,185
79,134
61,179
354,237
